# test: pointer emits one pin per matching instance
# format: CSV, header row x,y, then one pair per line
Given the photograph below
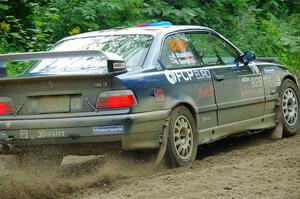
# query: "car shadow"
x,y
231,143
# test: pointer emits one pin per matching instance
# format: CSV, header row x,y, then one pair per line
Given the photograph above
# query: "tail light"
x,y
6,106
116,99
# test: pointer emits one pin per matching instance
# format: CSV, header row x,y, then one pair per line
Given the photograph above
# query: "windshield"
x,y
132,48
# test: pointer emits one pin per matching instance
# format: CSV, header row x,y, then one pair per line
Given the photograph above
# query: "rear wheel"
x,y
182,141
289,107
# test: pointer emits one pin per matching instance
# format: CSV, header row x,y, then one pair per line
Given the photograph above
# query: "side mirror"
x,y
248,57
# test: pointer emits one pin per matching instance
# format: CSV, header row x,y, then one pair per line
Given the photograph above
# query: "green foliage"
x,y
3,7
269,27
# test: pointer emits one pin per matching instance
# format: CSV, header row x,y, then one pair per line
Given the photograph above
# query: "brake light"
x,y
6,106
116,99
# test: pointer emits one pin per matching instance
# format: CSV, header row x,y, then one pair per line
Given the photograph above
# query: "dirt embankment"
x,y
247,167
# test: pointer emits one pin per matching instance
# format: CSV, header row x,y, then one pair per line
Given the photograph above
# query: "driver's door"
x,y
238,89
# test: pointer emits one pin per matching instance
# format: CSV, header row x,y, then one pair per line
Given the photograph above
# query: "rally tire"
x,y
182,138
289,107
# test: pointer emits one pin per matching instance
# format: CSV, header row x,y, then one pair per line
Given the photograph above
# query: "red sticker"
x,y
206,92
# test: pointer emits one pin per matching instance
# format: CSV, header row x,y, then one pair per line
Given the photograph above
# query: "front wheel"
x,y
289,107
182,140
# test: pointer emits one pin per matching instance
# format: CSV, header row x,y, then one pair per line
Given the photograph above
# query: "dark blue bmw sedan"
x,y
155,86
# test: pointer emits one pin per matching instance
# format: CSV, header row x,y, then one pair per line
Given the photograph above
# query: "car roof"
x,y
147,30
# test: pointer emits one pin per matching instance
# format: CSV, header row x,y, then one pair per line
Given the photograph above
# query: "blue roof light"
x,y
159,23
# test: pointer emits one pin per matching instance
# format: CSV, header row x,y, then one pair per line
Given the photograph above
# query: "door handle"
x,y
219,77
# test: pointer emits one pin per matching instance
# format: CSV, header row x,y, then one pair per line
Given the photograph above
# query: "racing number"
x,y
257,82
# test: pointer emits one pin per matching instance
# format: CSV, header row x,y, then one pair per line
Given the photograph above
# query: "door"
x,y
238,89
189,80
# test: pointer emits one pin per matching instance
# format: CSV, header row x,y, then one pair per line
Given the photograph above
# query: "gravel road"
x,y
247,167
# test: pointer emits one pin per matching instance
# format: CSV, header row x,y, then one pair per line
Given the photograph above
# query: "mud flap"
x,y
277,132
163,144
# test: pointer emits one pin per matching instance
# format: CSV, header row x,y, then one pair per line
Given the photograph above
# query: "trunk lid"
x,y
55,93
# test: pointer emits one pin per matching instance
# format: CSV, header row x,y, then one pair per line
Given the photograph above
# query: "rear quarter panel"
x,y
185,92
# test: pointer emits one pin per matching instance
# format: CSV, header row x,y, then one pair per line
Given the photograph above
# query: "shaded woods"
x,y
268,27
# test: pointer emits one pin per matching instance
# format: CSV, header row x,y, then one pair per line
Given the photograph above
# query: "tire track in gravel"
x,y
248,167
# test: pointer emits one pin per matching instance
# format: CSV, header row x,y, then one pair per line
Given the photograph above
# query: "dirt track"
x,y
248,167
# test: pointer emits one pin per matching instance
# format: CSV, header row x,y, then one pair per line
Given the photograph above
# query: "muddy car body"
x,y
189,80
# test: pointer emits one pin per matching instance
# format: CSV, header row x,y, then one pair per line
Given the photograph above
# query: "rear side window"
x,y
177,52
132,48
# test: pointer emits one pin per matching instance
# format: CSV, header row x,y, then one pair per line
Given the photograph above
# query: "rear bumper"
x,y
134,131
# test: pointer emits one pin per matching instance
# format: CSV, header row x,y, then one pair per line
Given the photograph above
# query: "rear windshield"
x,y
132,48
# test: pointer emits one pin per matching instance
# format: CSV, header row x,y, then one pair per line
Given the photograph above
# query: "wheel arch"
x,y
291,77
189,107
173,156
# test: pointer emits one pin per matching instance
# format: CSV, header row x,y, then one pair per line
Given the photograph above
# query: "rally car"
x,y
154,86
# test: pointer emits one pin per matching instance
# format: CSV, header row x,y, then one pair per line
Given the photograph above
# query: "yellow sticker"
x,y
176,45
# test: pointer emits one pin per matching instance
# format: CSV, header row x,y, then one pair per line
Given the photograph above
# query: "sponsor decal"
x,y
50,133
185,58
245,79
272,80
183,75
252,82
254,68
251,86
206,92
269,69
176,45
108,130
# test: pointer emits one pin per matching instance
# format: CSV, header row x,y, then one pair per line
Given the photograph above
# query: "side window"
x,y
177,52
212,50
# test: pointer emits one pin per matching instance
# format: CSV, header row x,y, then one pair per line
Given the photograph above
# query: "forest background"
x,y
271,28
